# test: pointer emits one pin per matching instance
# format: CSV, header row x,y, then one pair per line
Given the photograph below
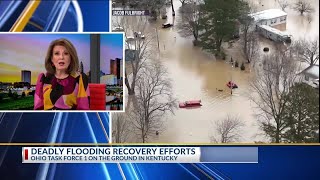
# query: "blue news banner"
x,y
140,154
53,16
215,162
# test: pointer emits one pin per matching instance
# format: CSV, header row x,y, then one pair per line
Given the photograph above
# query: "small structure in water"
x,y
232,85
167,25
192,103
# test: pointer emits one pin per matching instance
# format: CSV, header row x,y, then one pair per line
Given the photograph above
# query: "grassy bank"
x,y
25,103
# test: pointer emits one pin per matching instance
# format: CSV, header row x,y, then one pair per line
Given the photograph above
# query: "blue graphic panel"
x,y
53,16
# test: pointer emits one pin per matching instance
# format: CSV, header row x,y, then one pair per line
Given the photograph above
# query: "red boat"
x,y
232,85
192,103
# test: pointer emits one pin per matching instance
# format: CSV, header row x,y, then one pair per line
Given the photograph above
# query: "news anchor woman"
x,y
62,87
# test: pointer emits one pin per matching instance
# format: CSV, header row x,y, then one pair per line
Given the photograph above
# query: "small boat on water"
x,y
192,103
167,25
232,85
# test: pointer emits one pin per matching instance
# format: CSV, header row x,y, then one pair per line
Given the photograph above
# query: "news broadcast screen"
x,y
31,62
166,89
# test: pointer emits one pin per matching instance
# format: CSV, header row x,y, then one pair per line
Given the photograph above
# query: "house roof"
x,y
312,71
267,14
130,46
274,30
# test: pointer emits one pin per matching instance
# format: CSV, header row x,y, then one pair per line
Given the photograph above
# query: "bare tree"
x,y
154,100
248,36
307,51
309,17
227,130
139,47
283,4
120,1
249,39
154,6
303,6
173,12
251,47
120,128
183,2
270,87
190,21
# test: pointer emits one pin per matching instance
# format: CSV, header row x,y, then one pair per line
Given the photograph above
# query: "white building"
x,y
273,34
108,79
118,29
271,23
275,18
310,76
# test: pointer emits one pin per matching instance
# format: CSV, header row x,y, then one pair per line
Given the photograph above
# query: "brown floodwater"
x,y
198,75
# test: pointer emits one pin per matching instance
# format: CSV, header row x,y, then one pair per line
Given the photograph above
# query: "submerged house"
x,y
310,76
271,23
275,18
274,34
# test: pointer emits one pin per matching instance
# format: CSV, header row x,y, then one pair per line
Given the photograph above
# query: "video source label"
x,y
130,12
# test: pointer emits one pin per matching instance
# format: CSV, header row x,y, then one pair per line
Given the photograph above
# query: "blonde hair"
x,y
74,60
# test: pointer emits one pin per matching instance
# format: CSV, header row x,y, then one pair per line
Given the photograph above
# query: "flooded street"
x,y
197,75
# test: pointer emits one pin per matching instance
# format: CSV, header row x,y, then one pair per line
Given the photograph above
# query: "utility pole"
x,y
173,12
158,39
231,83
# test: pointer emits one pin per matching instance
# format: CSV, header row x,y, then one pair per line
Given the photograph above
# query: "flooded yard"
x,y
199,76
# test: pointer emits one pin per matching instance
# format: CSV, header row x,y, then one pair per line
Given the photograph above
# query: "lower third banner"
x,y
140,154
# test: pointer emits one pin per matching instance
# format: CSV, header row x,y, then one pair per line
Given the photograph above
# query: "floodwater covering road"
x,y
197,75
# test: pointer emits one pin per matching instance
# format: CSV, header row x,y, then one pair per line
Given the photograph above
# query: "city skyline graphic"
x,y
111,48
20,52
